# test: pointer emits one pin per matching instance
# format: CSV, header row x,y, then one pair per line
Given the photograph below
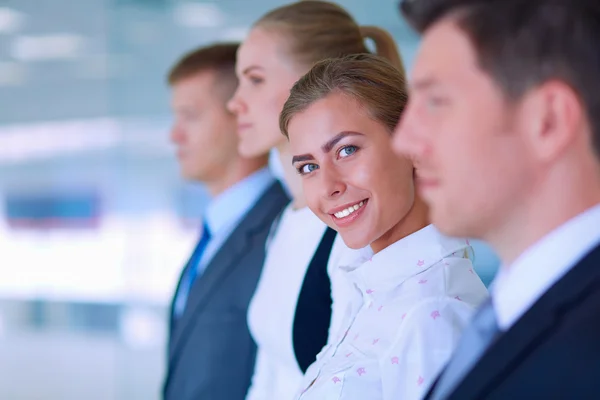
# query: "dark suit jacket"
x,y
552,352
211,353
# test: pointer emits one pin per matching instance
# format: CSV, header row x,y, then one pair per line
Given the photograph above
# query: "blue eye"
x,y
307,168
347,151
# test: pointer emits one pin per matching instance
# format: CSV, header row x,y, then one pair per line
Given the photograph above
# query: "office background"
x,y
95,223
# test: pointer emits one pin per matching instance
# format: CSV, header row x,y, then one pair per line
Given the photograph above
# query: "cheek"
x,y
363,175
207,129
384,172
195,131
267,119
276,105
397,188
310,189
209,132
265,112
253,101
451,142
392,185
460,165
479,169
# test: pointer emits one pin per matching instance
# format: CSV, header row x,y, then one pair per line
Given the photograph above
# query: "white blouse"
x,y
412,301
271,313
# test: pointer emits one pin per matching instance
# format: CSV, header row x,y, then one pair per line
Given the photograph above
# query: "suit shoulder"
x,y
270,204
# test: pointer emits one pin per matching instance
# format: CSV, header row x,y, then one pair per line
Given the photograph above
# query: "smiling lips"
x,y
347,211
349,214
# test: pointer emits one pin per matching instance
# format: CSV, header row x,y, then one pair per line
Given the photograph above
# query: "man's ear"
x,y
550,118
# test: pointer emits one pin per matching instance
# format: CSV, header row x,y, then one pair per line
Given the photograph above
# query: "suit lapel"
x,y
183,273
532,329
222,264
225,261
429,392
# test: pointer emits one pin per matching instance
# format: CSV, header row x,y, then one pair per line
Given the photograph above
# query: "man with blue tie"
x,y
504,123
211,353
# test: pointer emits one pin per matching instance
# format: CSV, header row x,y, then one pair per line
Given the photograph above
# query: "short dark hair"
x,y
522,44
217,57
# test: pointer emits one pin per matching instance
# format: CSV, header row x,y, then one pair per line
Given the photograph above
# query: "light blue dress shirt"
x,y
225,211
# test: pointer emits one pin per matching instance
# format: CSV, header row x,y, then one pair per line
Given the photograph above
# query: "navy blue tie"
x,y
191,273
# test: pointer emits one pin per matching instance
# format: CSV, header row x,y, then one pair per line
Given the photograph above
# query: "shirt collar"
x,y
516,288
230,206
401,260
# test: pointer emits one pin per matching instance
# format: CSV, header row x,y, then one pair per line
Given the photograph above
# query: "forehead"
x,y
327,117
198,86
445,55
257,49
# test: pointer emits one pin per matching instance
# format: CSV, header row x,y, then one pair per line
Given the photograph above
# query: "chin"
x,y
250,151
451,227
444,229
195,175
354,241
245,151
186,175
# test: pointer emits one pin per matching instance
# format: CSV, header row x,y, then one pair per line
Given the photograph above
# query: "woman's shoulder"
x,y
452,281
443,301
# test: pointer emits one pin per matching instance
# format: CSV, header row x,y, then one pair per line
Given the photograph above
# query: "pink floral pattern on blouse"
x,y
413,300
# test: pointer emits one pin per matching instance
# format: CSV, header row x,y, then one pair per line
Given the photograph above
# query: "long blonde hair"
x,y
317,30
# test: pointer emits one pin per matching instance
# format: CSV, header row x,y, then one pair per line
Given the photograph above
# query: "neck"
x,y
292,179
415,220
236,171
563,195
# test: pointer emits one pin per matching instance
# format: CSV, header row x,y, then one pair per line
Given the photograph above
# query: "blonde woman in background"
x,y
291,313
415,288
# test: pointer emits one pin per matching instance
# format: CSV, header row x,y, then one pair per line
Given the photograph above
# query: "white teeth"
x,y
349,210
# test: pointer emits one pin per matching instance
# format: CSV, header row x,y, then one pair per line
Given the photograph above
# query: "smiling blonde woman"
x,y
294,308
415,289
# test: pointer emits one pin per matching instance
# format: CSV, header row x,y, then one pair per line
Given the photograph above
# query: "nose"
x,y
235,105
176,135
408,139
333,183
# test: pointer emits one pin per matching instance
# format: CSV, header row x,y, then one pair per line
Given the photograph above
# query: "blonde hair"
x,y
371,80
317,30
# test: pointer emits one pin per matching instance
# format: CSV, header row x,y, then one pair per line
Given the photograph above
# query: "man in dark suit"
x,y
211,353
504,122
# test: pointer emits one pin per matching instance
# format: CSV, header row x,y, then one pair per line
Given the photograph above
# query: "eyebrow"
x,y
327,147
302,157
250,69
424,83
